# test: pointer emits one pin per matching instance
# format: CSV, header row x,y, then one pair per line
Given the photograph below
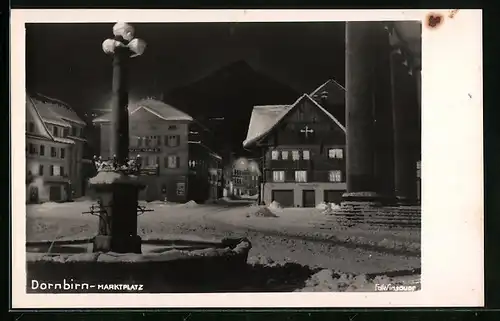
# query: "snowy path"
x,y
50,221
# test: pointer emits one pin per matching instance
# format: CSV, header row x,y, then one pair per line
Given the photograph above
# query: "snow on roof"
x,y
262,119
265,118
55,111
37,119
156,107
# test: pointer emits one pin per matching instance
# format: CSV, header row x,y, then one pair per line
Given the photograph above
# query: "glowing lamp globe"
x,y
137,46
109,46
124,30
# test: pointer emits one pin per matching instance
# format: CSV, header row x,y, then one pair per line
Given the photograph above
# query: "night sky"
x,y
66,61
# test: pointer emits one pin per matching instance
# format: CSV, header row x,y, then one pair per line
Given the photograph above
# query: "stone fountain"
x,y
117,254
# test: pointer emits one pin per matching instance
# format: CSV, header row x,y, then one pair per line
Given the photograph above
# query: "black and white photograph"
x,y
224,157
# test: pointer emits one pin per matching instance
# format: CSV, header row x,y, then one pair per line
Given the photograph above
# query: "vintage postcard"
x,y
246,158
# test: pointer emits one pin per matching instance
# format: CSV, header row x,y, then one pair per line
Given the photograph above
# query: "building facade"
x,y
303,153
175,168
244,176
54,150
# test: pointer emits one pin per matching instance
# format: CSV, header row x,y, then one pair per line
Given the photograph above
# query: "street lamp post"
x,y
116,183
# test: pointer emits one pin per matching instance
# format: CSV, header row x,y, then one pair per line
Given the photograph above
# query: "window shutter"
x,y
177,160
51,170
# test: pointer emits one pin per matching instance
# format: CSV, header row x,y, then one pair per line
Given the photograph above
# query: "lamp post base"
x,y
118,244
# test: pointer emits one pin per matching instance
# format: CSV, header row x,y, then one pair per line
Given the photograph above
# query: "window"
x,y
42,150
172,161
335,153
65,132
51,172
295,155
306,155
284,155
172,127
335,176
40,170
55,131
73,131
31,148
172,140
31,127
147,141
56,171
301,176
139,141
157,163
61,171
278,176
274,155
158,141
63,152
53,152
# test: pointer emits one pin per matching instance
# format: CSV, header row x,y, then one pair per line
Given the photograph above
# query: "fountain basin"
x,y
165,265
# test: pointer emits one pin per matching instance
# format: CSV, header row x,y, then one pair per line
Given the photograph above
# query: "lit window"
x,y
301,176
172,161
295,155
278,176
284,155
305,154
274,155
56,171
335,176
335,153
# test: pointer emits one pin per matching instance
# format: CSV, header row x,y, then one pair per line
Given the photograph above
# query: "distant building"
x,y
54,150
244,179
303,152
172,147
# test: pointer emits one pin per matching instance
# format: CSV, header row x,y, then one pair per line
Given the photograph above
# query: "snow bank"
x,y
327,208
264,212
189,204
275,206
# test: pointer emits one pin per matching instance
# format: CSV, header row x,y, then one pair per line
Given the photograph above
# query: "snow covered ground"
x,y
302,236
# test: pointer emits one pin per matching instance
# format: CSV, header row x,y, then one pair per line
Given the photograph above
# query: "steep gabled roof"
x,y
265,118
40,126
335,91
55,111
155,107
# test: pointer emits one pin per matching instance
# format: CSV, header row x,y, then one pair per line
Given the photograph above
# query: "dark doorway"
x,y
333,196
283,197
308,198
55,193
33,194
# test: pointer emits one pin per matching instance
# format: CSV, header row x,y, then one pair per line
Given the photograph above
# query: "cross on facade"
x,y
306,131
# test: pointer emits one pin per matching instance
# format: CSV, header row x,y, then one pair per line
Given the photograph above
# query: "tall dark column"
x,y
119,105
360,97
406,129
383,127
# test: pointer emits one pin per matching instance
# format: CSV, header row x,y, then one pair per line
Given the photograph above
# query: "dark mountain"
x,y
229,95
